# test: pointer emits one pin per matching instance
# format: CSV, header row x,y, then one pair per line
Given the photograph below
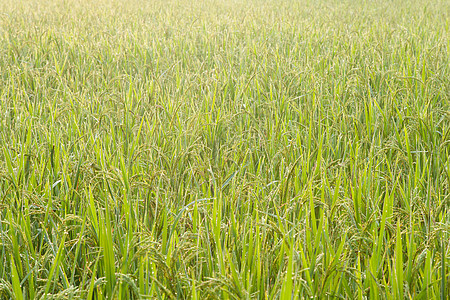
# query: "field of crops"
x,y
224,149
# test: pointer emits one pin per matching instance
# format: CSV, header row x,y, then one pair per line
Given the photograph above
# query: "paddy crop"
x,y
246,149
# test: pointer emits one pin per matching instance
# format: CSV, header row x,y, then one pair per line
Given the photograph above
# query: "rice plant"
x,y
242,149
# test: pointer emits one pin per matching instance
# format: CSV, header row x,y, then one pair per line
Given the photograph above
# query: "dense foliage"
x,y
224,149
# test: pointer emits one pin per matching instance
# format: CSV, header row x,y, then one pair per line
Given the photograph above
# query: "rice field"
x,y
212,149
